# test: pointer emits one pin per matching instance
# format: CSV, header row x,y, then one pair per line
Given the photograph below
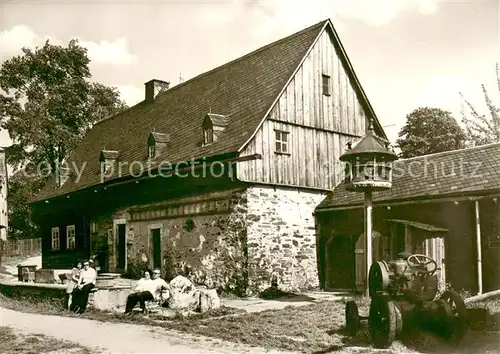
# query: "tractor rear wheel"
x,y
352,320
382,320
456,316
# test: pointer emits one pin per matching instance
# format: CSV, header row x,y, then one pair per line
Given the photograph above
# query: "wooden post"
x,y
479,253
368,235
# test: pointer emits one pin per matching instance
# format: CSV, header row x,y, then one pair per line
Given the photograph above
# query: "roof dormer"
x,y
107,159
63,173
213,126
157,143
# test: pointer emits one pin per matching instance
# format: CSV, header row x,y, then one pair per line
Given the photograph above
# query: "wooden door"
x,y
434,248
340,263
121,247
156,242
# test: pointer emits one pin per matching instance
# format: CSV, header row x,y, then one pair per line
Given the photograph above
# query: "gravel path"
x,y
119,338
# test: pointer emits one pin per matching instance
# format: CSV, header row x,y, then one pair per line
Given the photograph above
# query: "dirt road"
x,y
119,338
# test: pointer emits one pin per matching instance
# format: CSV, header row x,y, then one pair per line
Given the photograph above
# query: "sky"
x,y
406,53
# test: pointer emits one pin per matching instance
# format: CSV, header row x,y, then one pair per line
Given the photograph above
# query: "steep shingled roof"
x,y
465,171
243,89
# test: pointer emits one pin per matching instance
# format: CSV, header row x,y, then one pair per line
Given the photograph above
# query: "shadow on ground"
x,y
482,336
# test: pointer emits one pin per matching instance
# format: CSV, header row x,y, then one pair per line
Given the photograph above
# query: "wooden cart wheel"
x,y
382,320
352,320
456,315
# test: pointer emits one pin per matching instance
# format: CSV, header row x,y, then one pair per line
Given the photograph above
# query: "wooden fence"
x,y
27,247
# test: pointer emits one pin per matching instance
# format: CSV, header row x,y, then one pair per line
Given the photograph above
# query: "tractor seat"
x,y
427,289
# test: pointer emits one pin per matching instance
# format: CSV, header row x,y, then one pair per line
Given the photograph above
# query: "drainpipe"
x,y
478,245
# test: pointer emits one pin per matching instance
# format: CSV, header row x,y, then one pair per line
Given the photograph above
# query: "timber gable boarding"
x,y
276,119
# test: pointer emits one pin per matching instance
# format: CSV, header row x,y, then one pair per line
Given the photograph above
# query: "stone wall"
x,y
205,236
282,238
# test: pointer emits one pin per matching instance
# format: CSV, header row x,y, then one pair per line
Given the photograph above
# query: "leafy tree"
x,y
47,103
429,130
21,189
483,128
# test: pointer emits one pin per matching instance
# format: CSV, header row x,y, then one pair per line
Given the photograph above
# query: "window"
x,y
105,166
281,142
208,136
152,151
326,85
55,238
70,237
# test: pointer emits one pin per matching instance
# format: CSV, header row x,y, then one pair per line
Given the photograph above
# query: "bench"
x,y
153,306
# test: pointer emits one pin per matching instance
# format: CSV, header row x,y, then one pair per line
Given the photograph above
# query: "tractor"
x,y
402,296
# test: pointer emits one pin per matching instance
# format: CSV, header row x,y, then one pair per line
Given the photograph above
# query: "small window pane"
x,y
278,135
284,137
278,146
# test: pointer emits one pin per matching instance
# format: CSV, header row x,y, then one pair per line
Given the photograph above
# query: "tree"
x,y
483,128
21,189
48,104
429,130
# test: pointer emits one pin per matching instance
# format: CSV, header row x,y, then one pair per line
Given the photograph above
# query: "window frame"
x,y
151,151
208,132
280,142
68,246
326,87
55,246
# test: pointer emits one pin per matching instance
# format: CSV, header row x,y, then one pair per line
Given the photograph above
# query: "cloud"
x,y
14,39
115,52
296,14
131,94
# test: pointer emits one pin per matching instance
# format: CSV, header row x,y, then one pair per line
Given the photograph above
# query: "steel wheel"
x,y
456,315
352,321
382,321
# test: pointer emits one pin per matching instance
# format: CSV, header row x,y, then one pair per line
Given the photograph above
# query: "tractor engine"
x,y
398,280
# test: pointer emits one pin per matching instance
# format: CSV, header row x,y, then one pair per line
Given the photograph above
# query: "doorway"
x,y
156,242
340,266
121,260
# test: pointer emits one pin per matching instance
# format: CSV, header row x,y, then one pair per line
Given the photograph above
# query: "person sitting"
x,y
140,293
86,282
75,275
155,287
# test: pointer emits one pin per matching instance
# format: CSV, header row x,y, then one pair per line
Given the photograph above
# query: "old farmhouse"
x,y
218,176
443,205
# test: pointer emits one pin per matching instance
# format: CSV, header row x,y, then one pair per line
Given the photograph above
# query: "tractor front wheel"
x,y
382,320
352,320
455,313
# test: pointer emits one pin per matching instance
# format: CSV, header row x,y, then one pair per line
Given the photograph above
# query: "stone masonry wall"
x,y
210,246
281,237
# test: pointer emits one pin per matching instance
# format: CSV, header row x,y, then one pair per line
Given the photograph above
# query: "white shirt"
x,y
154,287
142,285
88,276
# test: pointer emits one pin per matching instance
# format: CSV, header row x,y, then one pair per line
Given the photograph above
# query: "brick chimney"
x,y
154,87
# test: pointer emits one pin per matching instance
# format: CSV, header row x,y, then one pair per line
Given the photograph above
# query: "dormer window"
x,y
151,151
107,159
213,126
208,135
157,143
62,174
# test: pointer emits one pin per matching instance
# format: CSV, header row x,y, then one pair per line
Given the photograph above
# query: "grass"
x,y
314,328
12,341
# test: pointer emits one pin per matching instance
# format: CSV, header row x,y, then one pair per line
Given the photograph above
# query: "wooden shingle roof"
x,y
244,88
460,172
